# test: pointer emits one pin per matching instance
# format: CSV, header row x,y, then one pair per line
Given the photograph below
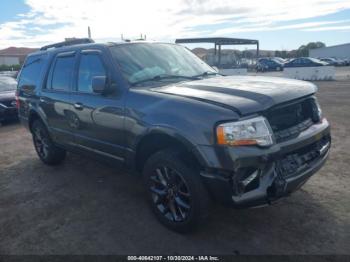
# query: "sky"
x,y
277,24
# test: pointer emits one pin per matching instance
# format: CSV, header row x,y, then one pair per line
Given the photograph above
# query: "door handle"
x,y
78,106
42,100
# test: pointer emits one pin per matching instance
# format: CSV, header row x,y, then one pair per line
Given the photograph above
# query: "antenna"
x,y
89,32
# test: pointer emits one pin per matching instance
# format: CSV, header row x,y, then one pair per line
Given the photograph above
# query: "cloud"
x,y
309,26
329,28
51,20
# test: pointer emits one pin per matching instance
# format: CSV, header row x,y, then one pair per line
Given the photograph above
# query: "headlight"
x,y
317,111
254,131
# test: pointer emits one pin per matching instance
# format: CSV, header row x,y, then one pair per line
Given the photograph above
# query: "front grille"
x,y
299,160
290,120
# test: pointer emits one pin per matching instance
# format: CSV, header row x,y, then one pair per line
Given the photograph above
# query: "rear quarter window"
x,y
30,74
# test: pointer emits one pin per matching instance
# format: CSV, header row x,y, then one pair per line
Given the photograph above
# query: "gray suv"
x,y
195,136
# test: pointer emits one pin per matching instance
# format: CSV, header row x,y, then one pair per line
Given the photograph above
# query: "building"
x,y
336,51
14,55
9,60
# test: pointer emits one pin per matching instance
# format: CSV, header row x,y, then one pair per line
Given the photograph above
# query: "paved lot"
x,y
85,207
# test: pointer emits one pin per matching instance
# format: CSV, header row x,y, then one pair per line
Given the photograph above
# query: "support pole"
x,y
219,62
89,32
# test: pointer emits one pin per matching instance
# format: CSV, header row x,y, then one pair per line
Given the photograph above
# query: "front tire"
x,y
175,191
47,151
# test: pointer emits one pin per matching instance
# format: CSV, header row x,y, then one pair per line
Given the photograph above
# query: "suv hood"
x,y
243,94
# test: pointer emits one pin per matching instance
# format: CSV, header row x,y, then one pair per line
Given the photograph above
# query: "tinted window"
x,y
90,66
31,72
63,73
296,61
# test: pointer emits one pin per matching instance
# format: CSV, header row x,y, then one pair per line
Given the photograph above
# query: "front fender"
x,y
173,134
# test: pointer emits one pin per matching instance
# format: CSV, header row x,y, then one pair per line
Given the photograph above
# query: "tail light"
x,y
17,100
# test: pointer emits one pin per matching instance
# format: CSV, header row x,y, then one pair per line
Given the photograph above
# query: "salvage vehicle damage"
x,y
248,176
193,134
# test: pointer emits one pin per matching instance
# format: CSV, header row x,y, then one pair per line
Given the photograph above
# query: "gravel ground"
x,y
85,207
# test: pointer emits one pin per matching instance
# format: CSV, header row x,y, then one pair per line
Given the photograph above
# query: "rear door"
x,y
101,117
56,100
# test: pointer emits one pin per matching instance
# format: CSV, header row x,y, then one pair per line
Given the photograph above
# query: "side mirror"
x,y
99,84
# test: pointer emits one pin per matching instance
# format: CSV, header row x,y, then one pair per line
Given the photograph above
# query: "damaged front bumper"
x,y
262,176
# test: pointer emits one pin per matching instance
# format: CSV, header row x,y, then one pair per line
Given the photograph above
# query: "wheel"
x,y
278,68
47,151
175,191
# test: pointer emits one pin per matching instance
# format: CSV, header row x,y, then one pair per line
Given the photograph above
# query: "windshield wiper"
x,y
206,73
162,77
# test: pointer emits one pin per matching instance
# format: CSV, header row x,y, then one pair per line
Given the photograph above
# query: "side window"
x,y
90,66
31,72
62,73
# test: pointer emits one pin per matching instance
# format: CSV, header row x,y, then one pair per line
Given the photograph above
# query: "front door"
x,y
100,117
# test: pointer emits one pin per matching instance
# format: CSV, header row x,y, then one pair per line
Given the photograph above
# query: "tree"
x,y
304,49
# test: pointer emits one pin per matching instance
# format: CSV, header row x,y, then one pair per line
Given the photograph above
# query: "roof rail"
x,y
68,43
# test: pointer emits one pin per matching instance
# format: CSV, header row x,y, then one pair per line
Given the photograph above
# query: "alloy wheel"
x,y
170,194
41,143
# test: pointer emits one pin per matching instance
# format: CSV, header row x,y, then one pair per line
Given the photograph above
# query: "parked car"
x,y
8,109
159,110
305,62
269,64
339,61
279,59
334,61
12,74
330,61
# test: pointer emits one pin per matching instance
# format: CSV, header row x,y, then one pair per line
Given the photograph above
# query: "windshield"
x,y
315,60
7,83
280,60
147,61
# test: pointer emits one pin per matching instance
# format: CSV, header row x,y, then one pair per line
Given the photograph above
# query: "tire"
x,y
47,151
175,191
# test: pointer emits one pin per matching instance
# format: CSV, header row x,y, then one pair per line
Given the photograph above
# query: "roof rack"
x,y
68,43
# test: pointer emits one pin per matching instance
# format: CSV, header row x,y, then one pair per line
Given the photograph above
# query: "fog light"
x,y
250,178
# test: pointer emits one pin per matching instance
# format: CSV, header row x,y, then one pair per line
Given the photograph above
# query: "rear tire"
x,y
175,191
46,149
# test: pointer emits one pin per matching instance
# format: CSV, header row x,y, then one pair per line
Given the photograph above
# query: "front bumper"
x,y
8,113
259,176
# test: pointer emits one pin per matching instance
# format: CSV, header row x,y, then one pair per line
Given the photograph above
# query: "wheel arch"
x,y
35,115
162,138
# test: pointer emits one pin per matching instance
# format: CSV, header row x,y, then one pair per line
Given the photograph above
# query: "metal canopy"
x,y
219,41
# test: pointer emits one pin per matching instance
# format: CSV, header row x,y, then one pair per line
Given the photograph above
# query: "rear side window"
x,y
31,72
62,73
90,66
